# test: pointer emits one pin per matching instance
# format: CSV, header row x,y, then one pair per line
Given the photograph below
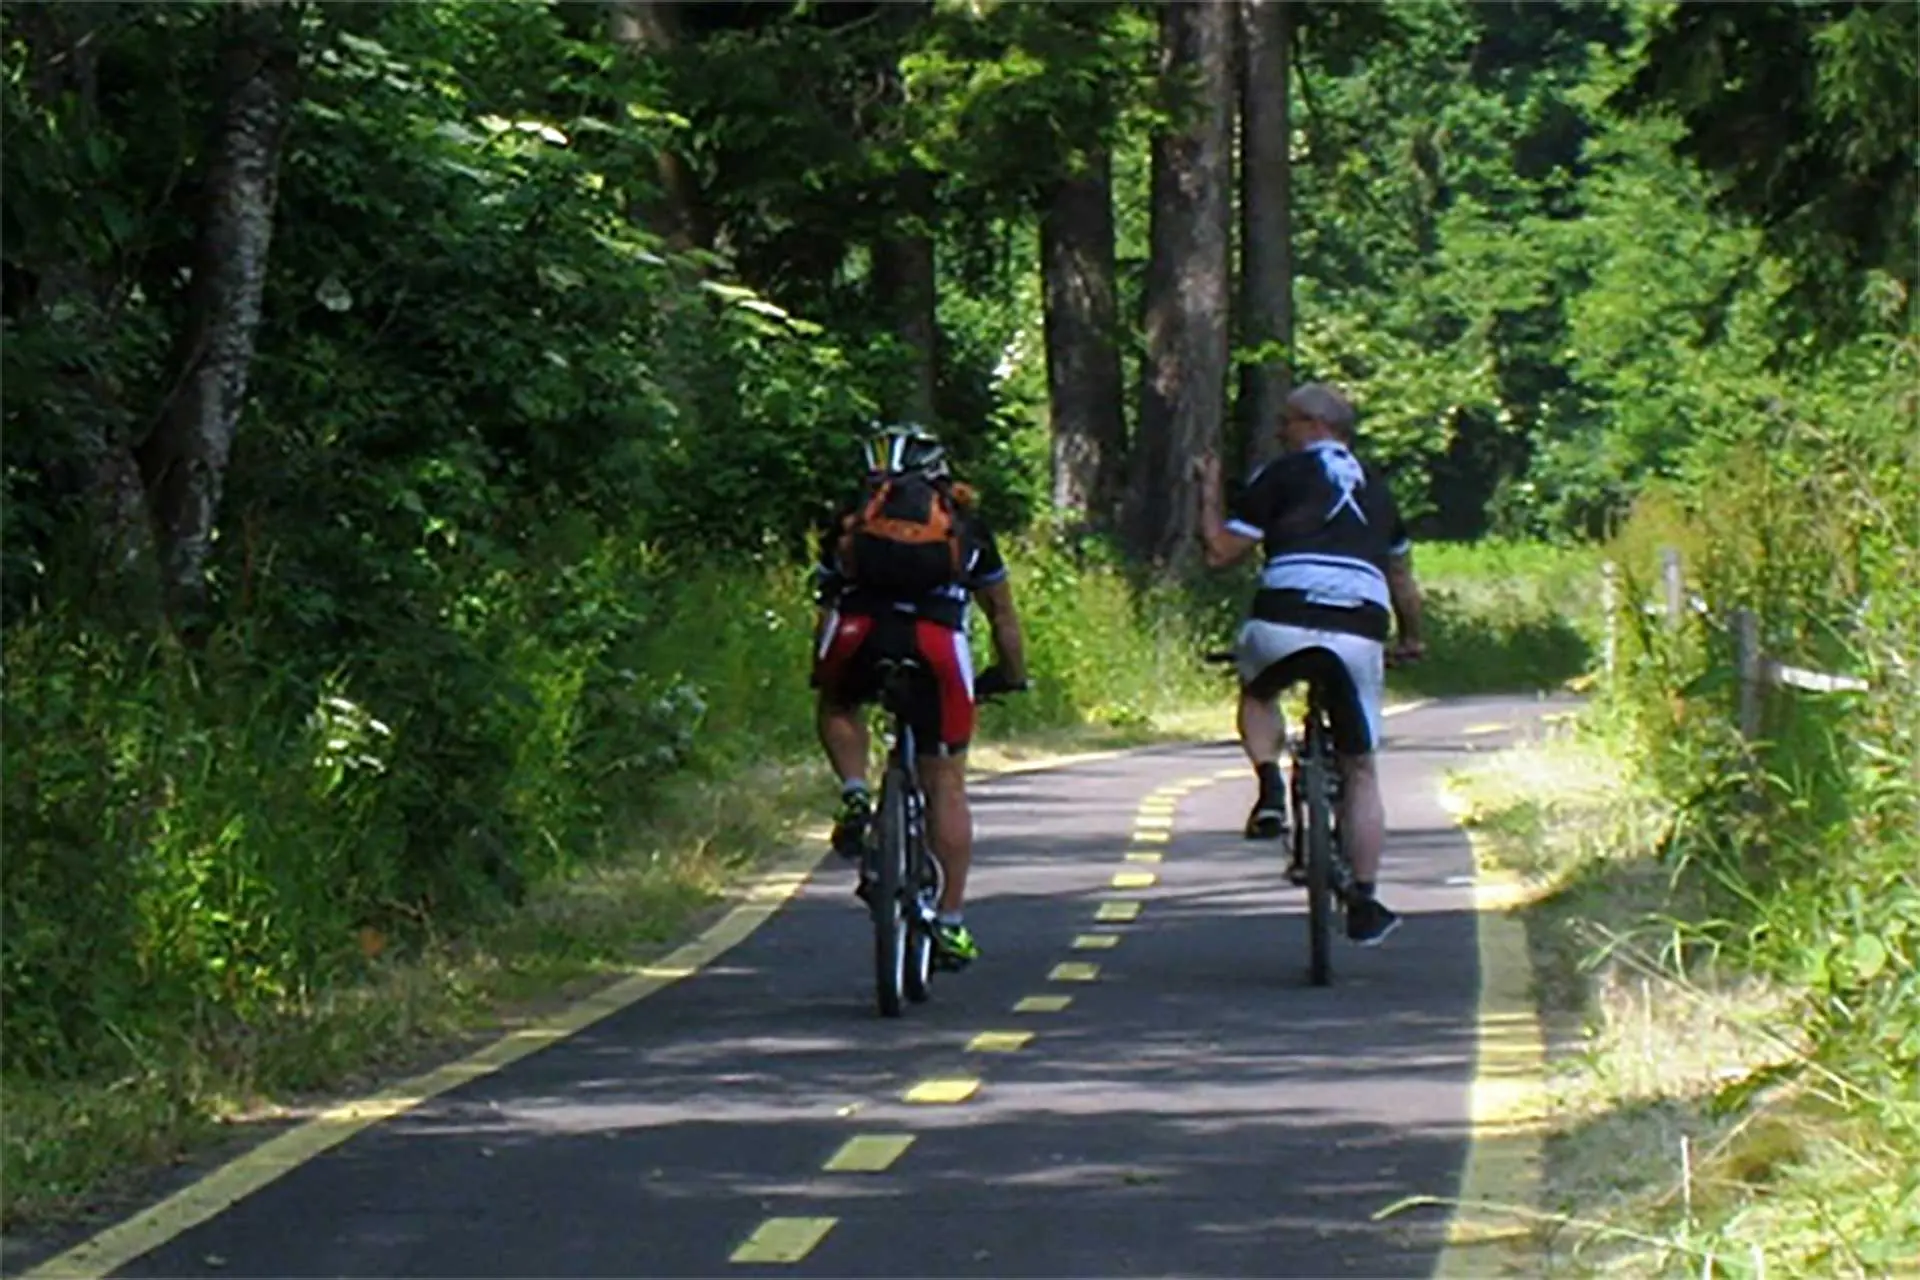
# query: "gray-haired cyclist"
x,y
1338,558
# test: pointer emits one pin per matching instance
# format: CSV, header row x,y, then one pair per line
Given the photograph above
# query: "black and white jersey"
x,y
1328,526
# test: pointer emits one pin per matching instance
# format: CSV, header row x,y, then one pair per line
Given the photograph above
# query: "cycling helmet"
x,y
905,449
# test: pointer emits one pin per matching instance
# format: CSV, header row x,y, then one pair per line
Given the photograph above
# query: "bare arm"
x,y
1223,546
996,601
1405,594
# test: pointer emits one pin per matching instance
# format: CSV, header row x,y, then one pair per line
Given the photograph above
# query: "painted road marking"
x,y
1149,837
1133,879
999,1041
938,1092
1119,910
1142,855
783,1239
1154,822
868,1152
1071,971
1479,730
1162,810
1042,1004
1225,774
1096,941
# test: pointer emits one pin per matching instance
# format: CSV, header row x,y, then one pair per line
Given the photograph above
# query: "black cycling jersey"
x,y
1328,526
947,605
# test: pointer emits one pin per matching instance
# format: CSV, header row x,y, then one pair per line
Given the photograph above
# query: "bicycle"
x,y
901,877
1314,785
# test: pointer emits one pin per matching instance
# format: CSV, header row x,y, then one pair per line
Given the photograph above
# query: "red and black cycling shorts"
x,y
940,706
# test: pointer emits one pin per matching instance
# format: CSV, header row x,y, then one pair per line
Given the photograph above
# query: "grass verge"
x,y
1691,1131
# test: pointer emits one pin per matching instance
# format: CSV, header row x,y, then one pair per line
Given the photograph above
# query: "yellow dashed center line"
x,y
1142,855
1154,822
1150,837
1476,730
868,1153
1197,781
999,1041
1225,774
1072,971
783,1239
1133,879
1096,941
1118,910
1042,1004
935,1092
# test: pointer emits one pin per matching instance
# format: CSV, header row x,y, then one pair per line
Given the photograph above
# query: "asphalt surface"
x,y
1197,1109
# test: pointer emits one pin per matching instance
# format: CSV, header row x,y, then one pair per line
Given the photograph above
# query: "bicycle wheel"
x,y
926,880
890,921
1319,862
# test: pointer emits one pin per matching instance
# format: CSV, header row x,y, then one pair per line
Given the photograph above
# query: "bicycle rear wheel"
x,y
891,926
1319,864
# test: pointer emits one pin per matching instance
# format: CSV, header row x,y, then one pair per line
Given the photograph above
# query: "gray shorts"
x,y
1273,655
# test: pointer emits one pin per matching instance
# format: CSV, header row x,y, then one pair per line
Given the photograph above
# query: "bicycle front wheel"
x,y
890,920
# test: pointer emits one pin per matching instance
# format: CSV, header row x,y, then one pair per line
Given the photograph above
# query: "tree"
x,y
1266,221
184,461
1186,300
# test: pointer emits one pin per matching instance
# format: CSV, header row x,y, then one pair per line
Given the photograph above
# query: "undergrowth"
x,y
1728,932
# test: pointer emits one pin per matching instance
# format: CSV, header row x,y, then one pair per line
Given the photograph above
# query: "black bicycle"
x,y
901,878
1314,790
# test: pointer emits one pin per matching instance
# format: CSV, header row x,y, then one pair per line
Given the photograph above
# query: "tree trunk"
x,y
1084,394
1266,221
1183,393
676,211
906,289
184,461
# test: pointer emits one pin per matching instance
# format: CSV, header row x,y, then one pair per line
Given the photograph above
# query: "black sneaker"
x,y
850,828
1268,820
1369,922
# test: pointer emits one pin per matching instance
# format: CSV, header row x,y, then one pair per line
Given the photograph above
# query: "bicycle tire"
x,y
926,885
890,920
1319,863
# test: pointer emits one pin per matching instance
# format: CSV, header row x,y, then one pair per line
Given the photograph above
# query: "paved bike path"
x,y
1196,1108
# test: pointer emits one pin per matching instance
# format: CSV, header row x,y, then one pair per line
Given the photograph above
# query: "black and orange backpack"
x,y
906,539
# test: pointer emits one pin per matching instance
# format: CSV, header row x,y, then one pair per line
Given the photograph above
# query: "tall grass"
x,y
1789,860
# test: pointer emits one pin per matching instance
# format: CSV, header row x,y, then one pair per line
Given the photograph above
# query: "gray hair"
x,y
1320,402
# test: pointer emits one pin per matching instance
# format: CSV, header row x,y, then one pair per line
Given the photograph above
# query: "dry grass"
x,y
1690,1134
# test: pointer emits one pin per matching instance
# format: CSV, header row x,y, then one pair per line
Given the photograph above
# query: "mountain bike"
x,y
901,878
1315,784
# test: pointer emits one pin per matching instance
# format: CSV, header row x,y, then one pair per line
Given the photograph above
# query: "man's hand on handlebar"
x,y
1406,651
993,682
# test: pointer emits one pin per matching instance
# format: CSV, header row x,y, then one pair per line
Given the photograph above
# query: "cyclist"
x,y
860,622
1337,558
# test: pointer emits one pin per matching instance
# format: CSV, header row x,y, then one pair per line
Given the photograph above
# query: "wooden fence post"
x,y
1746,632
1670,577
1610,612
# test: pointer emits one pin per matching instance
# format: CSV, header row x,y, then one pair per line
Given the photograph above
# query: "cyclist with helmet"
x,y
863,618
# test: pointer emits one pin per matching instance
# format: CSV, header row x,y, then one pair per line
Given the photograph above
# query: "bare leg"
x,y
950,823
1363,819
843,732
1262,731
